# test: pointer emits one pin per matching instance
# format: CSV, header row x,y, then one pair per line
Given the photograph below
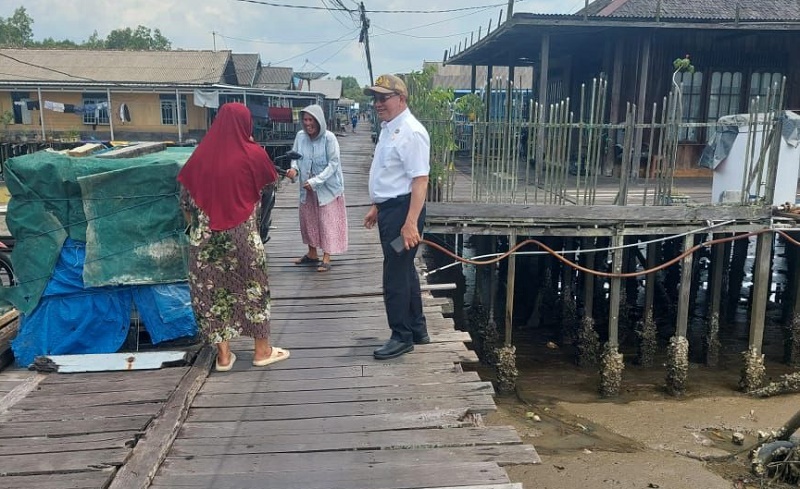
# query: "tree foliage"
x,y
16,31
141,39
351,90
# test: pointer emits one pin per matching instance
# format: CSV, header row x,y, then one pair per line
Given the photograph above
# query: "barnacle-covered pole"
x,y
611,364
678,359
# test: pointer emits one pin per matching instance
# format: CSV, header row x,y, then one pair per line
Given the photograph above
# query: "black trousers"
x,y
401,293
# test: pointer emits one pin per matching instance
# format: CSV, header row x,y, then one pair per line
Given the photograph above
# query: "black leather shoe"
x,y
391,349
424,340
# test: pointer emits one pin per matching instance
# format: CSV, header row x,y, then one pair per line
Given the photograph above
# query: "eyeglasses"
x,y
383,98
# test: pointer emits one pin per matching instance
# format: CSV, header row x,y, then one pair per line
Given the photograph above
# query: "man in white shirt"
x,y
398,184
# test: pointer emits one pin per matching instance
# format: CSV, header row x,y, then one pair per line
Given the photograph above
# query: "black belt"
x,y
394,201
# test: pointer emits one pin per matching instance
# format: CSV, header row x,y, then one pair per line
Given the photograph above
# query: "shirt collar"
x,y
395,123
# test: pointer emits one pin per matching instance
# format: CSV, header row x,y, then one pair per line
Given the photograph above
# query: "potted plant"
x,y
434,109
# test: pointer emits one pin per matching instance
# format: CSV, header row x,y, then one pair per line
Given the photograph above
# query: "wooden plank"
x,y
20,391
216,385
80,427
72,413
130,378
467,405
326,442
473,214
299,461
35,463
356,477
436,418
450,347
99,386
376,394
42,399
454,351
365,339
437,360
148,454
80,480
95,441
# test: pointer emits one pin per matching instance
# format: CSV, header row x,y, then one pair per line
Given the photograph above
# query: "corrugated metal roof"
x,y
748,10
138,67
246,67
459,77
275,77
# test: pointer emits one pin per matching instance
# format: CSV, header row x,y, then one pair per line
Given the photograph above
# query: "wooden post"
x,y
650,280
616,89
544,67
588,281
614,294
41,112
682,320
718,264
761,271
472,79
792,355
644,67
178,115
510,278
111,113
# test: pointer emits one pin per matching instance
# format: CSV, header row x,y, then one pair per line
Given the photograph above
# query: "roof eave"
x,y
481,51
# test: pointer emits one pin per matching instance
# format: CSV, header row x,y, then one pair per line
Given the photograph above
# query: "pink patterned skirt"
x,y
324,227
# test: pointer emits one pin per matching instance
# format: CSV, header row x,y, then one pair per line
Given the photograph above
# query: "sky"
x,y
317,40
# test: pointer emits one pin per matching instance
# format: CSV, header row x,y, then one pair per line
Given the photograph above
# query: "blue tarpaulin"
x,y
72,319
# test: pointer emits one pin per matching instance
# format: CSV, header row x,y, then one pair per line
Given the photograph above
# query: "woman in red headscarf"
x,y
221,186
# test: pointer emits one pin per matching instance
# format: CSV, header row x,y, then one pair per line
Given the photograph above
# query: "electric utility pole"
x,y
364,37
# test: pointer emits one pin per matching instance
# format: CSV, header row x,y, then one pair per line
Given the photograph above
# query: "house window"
x,y
724,96
691,91
168,112
760,83
95,109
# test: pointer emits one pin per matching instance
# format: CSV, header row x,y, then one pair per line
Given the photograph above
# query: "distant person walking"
x,y
398,183
323,213
221,186
354,121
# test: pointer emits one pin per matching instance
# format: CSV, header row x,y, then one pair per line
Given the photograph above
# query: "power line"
x,y
259,41
314,49
311,7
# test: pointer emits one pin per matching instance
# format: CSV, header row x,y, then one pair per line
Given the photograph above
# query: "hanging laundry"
x,y
69,108
209,100
124,113
33,104
280,114
54,106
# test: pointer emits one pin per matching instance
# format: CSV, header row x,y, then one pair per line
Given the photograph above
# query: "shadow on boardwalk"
x,y
329,417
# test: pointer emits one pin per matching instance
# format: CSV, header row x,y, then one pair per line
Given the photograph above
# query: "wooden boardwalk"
x,y
328,417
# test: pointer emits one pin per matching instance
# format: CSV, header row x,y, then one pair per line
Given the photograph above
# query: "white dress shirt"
x,y
403,153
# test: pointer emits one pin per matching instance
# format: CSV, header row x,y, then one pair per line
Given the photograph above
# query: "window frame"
x,y
167,104
98,117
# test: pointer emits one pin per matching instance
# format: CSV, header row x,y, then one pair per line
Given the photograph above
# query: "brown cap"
x,y
386,84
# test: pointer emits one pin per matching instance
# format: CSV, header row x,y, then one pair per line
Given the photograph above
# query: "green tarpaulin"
x,y
126,210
